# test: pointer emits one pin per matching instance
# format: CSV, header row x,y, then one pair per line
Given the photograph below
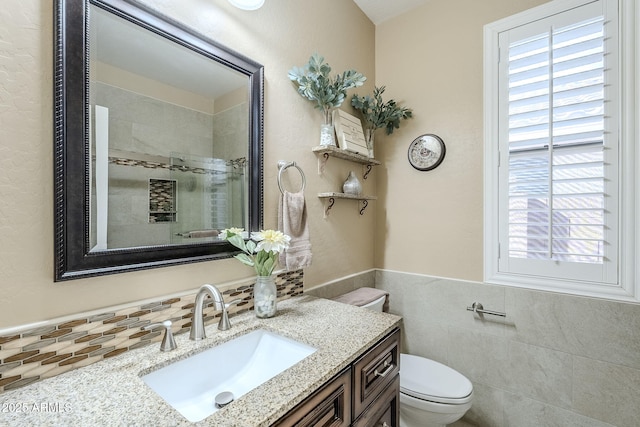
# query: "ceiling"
x,y
380,10
115,34
127,46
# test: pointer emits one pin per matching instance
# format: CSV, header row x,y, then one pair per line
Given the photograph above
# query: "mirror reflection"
x,y
169,134
158,140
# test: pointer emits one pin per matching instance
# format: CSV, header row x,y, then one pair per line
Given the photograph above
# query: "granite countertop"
x,y
111,391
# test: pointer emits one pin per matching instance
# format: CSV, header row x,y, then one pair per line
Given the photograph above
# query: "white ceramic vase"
x,y
352,185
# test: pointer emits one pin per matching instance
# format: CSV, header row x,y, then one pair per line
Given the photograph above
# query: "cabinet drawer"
x,y
327,407
374,371
385,410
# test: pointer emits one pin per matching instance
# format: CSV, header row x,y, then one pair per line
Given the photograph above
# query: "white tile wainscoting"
x,y
555,360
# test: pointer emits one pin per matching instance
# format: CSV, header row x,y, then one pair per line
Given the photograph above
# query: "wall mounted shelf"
x,y
330,151
330,200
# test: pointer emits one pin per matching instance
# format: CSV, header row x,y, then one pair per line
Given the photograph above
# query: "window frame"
x,y
627,286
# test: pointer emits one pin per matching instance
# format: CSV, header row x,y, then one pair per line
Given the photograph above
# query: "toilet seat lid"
x,y
430,380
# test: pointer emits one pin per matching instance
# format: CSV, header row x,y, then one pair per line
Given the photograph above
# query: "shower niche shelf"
x,y
162,200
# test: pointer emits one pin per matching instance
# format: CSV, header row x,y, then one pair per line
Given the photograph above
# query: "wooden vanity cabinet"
x,y
374,371
329,406
365,394
385,412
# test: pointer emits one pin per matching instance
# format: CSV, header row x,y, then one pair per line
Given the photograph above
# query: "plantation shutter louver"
x,y
556,149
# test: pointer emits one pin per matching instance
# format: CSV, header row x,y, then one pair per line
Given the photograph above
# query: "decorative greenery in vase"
x,y
261,251
379,114
317,85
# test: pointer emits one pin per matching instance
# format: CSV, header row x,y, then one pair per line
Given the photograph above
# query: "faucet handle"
x,y
168,342
224,323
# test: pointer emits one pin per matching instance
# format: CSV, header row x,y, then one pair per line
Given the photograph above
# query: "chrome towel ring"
x,y
282,165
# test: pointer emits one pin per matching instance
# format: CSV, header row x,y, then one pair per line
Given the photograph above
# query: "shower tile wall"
x,y
555,360
141,124
145,125
231,126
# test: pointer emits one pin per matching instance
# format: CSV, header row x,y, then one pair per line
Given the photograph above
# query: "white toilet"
x,y
431,394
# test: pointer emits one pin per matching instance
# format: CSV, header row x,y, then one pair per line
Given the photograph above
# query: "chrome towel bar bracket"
x,y
476,307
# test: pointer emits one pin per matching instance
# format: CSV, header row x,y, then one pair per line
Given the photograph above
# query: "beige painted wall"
x,y
281,34
431,59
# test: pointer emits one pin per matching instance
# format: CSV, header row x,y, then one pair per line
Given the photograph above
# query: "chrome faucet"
x,y
168,342
224,323
197,321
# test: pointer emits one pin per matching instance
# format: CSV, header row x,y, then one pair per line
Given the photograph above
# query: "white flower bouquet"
x,y
260,251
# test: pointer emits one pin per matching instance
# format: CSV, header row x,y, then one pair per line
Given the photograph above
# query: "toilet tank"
x,y
371,298
376,305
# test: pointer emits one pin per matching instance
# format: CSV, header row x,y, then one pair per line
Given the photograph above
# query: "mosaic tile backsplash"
x,y
50,350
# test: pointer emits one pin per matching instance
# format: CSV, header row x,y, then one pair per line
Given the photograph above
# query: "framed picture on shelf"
x,y
349,132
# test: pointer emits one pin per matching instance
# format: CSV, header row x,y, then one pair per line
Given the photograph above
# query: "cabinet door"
x,y
330,406
374,371
385,410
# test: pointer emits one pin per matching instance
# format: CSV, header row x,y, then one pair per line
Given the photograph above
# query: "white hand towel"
x,y
292,220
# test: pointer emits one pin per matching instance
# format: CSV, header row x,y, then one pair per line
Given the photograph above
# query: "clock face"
x,y
426,152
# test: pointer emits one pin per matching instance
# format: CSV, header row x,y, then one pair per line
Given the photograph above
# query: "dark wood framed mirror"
x,y
158,141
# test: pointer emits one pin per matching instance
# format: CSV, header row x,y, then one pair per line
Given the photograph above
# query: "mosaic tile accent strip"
x,y
50,350
121,161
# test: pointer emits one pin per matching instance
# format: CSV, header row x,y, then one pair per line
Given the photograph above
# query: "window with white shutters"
x,y
554,144
553,126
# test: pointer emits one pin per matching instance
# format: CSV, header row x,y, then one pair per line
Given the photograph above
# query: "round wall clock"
x,y
426,152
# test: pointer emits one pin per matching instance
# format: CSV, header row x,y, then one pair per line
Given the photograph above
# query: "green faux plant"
x,y
379,114
315,83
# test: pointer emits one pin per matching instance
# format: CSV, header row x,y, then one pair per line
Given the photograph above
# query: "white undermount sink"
x,y
237,366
